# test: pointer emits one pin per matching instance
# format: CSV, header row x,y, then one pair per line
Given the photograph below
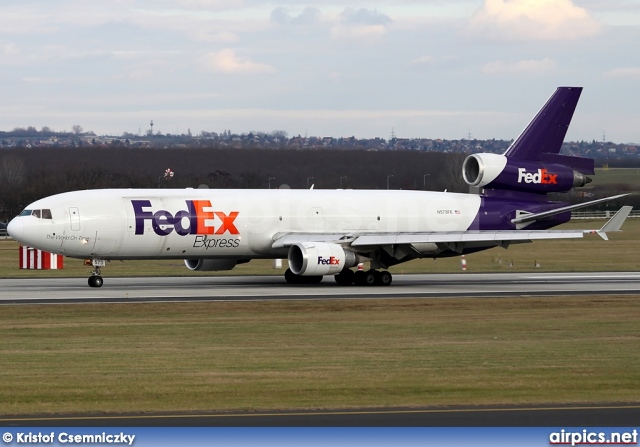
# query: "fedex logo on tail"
x,y
542,176
195,219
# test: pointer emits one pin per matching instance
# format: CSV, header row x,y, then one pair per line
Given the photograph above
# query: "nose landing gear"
x,y
95,280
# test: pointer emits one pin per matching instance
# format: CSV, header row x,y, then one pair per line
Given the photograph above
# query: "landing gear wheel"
x,y
313,279
345,277
371,277
292,278
95,281
358,278
385,278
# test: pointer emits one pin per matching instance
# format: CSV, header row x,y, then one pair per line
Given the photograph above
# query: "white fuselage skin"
x,y
234,224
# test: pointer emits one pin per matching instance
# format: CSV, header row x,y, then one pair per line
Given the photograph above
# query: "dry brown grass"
x,y
317,354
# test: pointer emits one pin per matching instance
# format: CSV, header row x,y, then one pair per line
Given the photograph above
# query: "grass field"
x,y
146,357
318,354
617,176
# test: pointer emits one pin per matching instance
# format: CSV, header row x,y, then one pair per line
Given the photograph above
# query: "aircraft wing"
x,y
455,240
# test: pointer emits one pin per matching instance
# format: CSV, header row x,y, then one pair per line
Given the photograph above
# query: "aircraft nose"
x,y
15,229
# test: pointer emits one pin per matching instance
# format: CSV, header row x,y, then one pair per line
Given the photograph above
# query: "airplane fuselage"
x,y
201,223
241,224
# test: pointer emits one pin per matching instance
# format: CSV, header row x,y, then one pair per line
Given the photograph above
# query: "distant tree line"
x,y
29,174
44,132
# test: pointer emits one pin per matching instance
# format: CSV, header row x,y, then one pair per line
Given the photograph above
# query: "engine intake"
x,y
319,258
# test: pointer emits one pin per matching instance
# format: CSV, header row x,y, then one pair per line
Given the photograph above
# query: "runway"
x,y
238,288
511,416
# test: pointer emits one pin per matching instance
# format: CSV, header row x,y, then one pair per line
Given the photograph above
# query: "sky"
x,y
418,69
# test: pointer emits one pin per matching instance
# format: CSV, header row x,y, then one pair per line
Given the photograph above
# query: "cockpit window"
x,y
40,214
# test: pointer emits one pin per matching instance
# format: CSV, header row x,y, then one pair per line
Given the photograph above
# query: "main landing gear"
x,y
95,280
364,278
346,277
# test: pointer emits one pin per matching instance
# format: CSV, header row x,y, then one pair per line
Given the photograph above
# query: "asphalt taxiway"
x,y
226,288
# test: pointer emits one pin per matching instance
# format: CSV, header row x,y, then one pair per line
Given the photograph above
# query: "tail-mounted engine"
x,y
493,171
319,258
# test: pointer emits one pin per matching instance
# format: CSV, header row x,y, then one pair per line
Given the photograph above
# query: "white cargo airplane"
x,y
327,232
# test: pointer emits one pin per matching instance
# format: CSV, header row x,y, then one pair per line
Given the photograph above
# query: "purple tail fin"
x,y
543,137
533,163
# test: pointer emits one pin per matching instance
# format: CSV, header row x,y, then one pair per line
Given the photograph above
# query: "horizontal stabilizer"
x,y
615,223
528,218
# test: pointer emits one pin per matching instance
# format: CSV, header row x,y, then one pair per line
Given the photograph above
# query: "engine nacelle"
x,y
319,258
495,171
210,265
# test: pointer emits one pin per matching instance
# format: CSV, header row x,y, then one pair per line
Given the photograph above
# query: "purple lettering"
x,y
140,214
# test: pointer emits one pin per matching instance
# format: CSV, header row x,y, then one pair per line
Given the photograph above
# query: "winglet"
x,y
615,223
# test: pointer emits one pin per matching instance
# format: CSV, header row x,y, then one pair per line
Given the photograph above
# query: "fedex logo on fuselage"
x,y
542,176
332,260
192,220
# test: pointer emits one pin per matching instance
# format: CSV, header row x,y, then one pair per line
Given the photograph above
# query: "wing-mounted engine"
x,y
494,171
210,265
319,258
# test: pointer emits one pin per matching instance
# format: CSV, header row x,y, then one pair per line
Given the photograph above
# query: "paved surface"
x,y
274,287
541,416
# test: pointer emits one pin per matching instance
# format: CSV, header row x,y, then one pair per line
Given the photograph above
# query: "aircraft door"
x,y
74,218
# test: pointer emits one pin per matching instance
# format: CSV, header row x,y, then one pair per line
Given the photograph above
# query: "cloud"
x,y
309,16
532,20
524,67
362,26
629,72
365,16
226,62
